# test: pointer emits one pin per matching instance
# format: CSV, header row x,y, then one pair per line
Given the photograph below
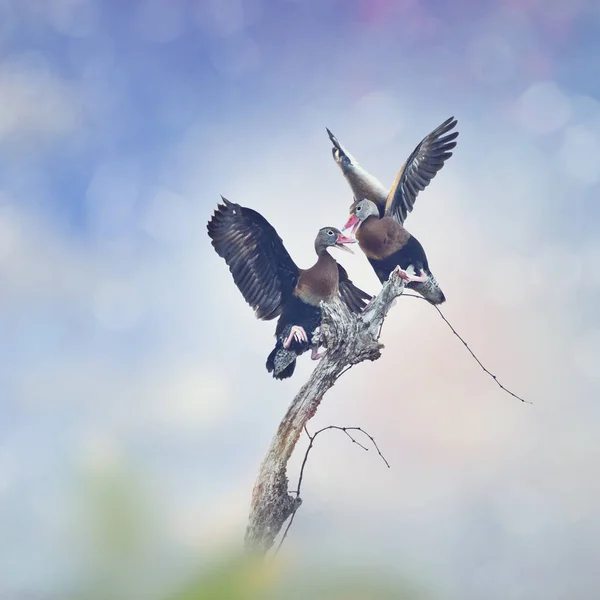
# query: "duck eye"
x,y
330,232
358,208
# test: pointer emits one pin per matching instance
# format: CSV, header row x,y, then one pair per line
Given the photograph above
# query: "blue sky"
x,y
127,348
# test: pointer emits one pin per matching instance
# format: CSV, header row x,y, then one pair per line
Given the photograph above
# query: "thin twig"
x,y
347,429
312,438
469,349
312,441
374,444
354,441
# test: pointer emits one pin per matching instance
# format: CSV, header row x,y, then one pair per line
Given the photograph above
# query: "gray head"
x,y
361,211
331,237
365,208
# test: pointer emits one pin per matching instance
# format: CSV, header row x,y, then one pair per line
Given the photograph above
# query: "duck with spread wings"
x,y
389,246
414,176
377,216
274,286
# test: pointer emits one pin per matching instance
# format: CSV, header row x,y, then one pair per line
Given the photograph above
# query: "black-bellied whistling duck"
x,y
414,176
389,246
274,286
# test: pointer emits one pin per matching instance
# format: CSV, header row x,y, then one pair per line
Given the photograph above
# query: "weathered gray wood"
x,y
349,339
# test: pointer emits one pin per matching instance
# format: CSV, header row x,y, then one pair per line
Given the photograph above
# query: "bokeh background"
x,y
135,408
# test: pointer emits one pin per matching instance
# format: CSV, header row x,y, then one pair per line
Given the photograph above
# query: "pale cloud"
x,y
543,108
10,232
586,349
237,55
222,18
39,269
381,115
207,522
24,80
7,469
166,218
579,154
117,305
111,196
589,259
493,59
190,398
37,266
159,21
73,18
98,451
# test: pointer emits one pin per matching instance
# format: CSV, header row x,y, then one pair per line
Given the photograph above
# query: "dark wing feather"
x,y
261,267
353,297
420,168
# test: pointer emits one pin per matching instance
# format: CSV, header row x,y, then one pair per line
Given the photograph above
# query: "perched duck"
x,y
389,246
414,176
274,286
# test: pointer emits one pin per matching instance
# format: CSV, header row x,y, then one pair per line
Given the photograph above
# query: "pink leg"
x,y
296,332
422,277
402,273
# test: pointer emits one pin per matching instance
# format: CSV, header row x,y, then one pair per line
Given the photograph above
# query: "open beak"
x,y
341,242
352,222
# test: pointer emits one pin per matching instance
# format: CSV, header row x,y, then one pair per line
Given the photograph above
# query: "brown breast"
x,y
379,238
320,282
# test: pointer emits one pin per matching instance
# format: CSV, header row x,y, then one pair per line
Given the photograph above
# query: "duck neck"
x,y
324,258
366,225
321,250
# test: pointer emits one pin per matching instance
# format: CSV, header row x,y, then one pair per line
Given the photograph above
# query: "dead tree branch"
x,y
312,437
272,504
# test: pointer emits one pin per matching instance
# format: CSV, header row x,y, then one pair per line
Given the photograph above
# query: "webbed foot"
x,y
296,333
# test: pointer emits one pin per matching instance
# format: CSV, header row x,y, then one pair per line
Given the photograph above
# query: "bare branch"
x,y
471,351
346,430
310,445
351,438
374,444
271,504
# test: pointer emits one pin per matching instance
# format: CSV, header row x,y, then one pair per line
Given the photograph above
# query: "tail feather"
x,y
281,362
430,289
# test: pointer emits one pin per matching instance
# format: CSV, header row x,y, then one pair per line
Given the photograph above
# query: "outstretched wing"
x,y
353,297
361,182
420,168
261,267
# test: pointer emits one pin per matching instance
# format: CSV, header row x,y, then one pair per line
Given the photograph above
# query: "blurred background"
x,y
135,406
